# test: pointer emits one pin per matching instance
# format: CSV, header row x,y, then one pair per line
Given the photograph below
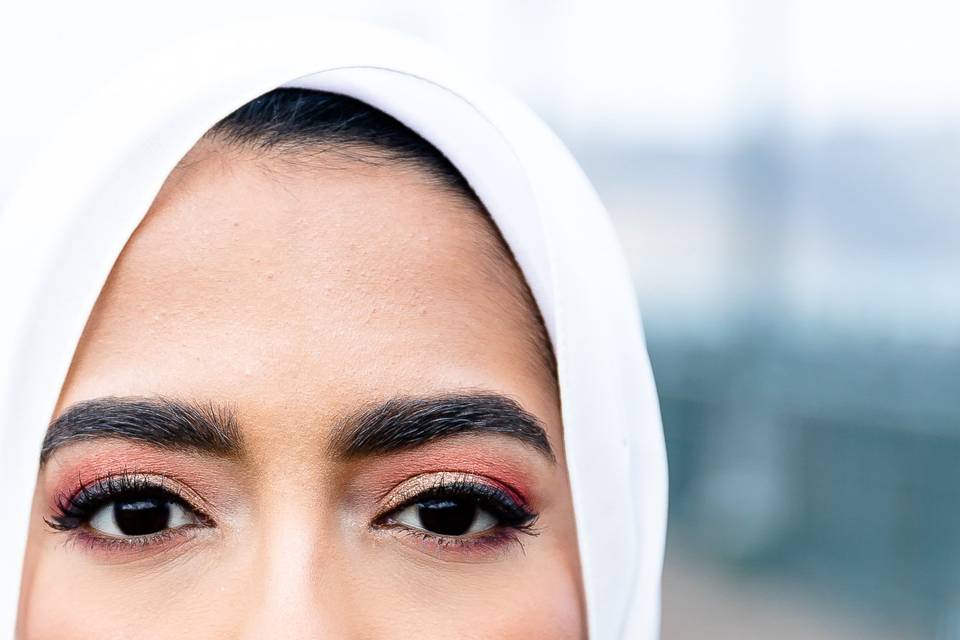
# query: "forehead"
x,y
308,284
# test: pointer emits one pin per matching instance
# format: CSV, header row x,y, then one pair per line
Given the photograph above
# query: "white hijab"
x,y
71,216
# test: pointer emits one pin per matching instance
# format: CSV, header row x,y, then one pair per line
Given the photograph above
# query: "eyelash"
x,y
73,512
512,516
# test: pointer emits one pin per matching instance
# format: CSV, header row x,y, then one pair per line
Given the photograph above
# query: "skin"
x,y
296,292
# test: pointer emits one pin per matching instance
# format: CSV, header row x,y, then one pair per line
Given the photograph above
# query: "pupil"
x,y
447,517
141,517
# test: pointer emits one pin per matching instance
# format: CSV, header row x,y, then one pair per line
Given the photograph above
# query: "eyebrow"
x,y
162,422
397,424
407,422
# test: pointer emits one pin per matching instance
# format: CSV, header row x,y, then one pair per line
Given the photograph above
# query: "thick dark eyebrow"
x,y
161,422
407,422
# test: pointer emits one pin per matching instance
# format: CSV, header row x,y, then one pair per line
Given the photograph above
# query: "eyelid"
x,y
77,506
408,491
514,516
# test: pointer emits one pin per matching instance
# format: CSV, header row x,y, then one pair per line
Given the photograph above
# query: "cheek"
x,y
532,596
374,599
546,606
70,601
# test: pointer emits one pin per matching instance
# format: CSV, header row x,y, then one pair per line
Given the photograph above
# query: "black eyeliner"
x,y
76,510
507,510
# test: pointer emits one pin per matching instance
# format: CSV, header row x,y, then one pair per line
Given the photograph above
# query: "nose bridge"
x,y
294,576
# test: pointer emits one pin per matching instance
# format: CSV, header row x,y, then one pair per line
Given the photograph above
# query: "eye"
x,y
126,508
450,507
447,517
141,516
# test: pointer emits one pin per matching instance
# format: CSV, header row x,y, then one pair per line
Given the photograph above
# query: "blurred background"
x,y
784,178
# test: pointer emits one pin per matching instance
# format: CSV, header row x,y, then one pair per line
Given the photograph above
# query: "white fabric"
x,y
71,216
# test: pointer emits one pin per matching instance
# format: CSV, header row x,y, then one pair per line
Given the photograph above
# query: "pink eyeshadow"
x,y
89,462
508,470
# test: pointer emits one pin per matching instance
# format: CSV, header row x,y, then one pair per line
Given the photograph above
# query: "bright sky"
x,y
684,69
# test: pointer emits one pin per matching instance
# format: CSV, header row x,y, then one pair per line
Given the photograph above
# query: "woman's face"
x,y
289,416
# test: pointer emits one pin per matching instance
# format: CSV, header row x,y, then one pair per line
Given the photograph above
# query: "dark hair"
x,y
307,121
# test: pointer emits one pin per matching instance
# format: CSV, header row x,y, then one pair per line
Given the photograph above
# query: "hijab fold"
x,y
73,212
